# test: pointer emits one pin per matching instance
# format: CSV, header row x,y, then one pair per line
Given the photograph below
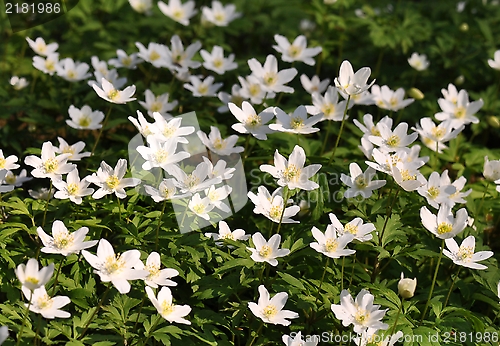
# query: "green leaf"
x,y
292,281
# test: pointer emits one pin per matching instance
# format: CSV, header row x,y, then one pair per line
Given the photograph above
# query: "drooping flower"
x,y
464,255
270,310
350,83
73,188
296,51
49,165
330,243
418,61
495,63
360,183
292,172
62,241
157,277
166,308
361,313
444,225
406,287
491,169
267,251
30,277
108,92
116,269
111,180
41,303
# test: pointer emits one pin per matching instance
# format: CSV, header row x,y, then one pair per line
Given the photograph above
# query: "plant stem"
x,y
285,199
159,224
26,315
47,204
322,278
106,118
482,199
140,310
326,137
433,283
387,216
99,305
158,319
342,275
451,287
341,129
256,334
57,275
397,317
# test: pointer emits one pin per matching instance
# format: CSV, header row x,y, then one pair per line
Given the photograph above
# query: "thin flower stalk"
x,y
341,129
433,282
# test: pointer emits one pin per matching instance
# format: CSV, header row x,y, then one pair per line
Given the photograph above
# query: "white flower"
x,y
350,83
219,170
418,61
30,277
47,65
297,51
369,128
8,162
73,188
18,83
157,277
220,15
41,48
444,225
235,97
269,77
361,313
436,190
195,181
297,122
4,334
391,141
43,193
117,269
201,88
434,136
292,173
16,180
216,62
166,308
495,63
179,12
111,180
464,255
330,243
142,125
218,195
407,176
182,59
297,340
271,206
201,206
49,165
314,84
156,54
62,242
72,71
226,233
141,6
328,105
355,227
360,183
457,196
253,90
4,188
267,251
85,118
385,98
110,94
217,144
271,310
125,60
74,150
406,287
158,104
160,153
170,129
166,190
462,112
250,121
41,303
491,169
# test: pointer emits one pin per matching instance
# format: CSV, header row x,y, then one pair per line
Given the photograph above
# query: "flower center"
x,y
349,228
393,102
213,195
438,132
374,130
393,141
254,90
220,17
113,94
444,228
156,107
360,181
153,270
112,181
126,61
44,302
253,121
203,89
218,63
42,48
294,51
270,311
50,165
154,56
465,253
71,74
166,308
161,155
2,163
331,245
178,14
361,316
219,144
275,212
199,208
10,178
84,121
49,65
406,175
192,180
460,112
328,109
167,193
266,251
168,131
433,192
72,189
62,241
113,265
270,78
229,236
291,173
297,123
32,280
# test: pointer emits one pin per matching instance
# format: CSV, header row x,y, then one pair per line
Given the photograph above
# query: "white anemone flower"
x,y
350,83
270,310
166,190
462,112
32,278
360,183
491,169
205,87
116,269
160,153
62,241
18,83
41,48
111,180
219,14
215,143
385,98
393,140
216,62
142,125
436,191
314,84
355,227
157,277
178,11
41,303
195,181
166,308
444,225
201,206
16,180
47,65
73,188
269,77
72,71
49,165
141,6
8,162
495,63
252,89
108,92
85,118
328,105
291,172
267,251
464,255
331,243
235,97
170,129
226,233
298,122
418,61
217,196
158,104
250,121
74,150
124,60
297,50
272,206
156,54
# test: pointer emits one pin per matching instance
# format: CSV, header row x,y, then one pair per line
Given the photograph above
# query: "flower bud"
x,y
416,94
493,121
491,169
406,287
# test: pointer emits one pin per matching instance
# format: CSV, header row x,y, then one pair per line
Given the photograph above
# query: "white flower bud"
x,y
406,287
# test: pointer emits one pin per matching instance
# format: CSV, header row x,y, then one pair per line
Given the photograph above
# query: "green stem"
x,y
119,208
151,330
397,317
322,279
140,310
47,205
57,276
106,118
451,287
433,283
256,334
285,199
26,315
99,305
342,275
387,216
326,137
482,199
341,129
159,224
